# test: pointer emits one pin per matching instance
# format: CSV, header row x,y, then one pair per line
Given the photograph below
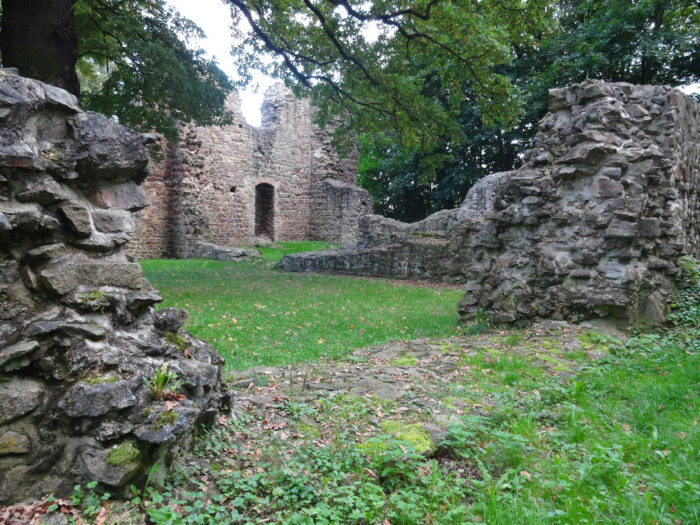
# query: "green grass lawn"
x,y
255,315
542,431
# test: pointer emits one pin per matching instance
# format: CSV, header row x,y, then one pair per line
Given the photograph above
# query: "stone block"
x,y
113,221
47,252
17,352
619,229
586,153
649,228
607,188
97,399
44,190
95,461
170,319
78,217
124,196
66,275
13,442
19,397
27,218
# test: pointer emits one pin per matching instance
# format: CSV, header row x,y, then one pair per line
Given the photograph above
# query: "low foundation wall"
x,y
593,224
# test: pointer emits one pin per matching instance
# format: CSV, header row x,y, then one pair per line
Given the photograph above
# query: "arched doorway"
x,y
265,210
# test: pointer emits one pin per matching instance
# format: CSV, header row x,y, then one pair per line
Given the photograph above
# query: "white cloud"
x,y
214,17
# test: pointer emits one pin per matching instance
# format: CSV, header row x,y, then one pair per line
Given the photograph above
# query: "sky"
x,y
215,19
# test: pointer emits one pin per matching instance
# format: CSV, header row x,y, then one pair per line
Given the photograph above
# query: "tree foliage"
x,y
395,65
137,62
639,41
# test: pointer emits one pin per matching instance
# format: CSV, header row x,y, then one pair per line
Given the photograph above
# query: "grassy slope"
x,y
255,315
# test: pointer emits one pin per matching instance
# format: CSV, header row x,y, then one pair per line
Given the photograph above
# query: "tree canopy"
x,y
392,64
638,41
134,58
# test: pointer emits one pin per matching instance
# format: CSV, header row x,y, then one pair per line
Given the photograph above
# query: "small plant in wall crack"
x,y
163,383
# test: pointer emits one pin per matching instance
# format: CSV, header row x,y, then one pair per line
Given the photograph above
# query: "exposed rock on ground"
x,y
418,387
207,250
77,334
592,225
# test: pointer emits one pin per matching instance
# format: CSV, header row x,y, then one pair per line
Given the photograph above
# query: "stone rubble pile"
x,y
78,335
594,223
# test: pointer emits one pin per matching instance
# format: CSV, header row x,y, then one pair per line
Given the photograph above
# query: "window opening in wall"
x,y
265,210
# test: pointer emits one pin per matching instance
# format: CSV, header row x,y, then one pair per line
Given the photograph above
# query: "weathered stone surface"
x,y
619,229
44,191
207,250
205,188
124,196
107,150
19,397
158,428
27,218
113,221
65,276
97,399
77,331
47,252
592,224
95,461
12,442
9,271
17,352
78,217
5,224
170,319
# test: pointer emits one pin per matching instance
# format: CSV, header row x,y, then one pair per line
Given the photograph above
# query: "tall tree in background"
x,y
638,41
392,65
131,56
38,38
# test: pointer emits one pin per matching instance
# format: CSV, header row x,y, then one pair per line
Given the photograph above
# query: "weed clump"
x,y
93,301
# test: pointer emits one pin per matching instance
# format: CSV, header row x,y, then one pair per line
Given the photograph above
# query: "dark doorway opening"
x,y
265,210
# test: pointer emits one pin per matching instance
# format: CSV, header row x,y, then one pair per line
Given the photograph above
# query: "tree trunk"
x,y
38,38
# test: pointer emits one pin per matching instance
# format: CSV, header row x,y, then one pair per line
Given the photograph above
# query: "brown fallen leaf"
x,y
102,515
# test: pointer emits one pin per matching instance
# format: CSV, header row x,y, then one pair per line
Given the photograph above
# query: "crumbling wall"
x,y
206,183
78,335
593,224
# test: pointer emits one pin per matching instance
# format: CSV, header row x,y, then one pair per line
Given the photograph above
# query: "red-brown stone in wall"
x,y
205,188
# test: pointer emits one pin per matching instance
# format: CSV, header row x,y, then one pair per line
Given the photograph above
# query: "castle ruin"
x,y
594,224
237,184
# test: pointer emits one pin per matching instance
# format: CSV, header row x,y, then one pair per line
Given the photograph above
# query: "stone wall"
x,y
593,224
205,188
78,335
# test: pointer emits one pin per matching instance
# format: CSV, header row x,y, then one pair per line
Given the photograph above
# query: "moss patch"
x,y
177,340
98,380
93,301
413,434
123,454
405,360
163,419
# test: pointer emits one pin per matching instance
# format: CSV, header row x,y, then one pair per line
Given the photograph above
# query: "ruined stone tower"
x,y
234,184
